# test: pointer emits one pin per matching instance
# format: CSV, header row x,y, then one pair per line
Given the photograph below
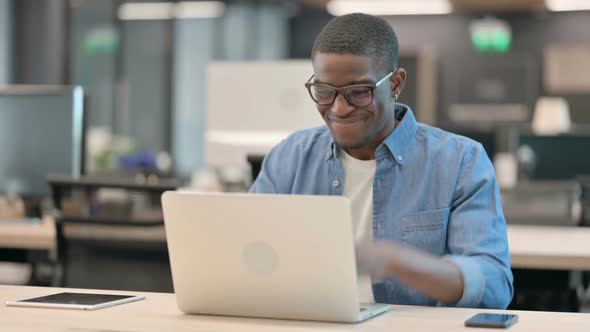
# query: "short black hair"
x,y
359,34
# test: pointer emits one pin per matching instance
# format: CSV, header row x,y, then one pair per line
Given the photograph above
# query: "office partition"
x,y
41,132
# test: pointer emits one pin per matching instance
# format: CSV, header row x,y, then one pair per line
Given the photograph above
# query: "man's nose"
x,y
341,106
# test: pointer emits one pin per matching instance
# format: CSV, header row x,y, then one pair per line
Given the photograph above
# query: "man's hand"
x,y
436,277
373,258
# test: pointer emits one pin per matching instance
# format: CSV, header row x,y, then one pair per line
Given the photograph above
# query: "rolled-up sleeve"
x,y
265,183
477,237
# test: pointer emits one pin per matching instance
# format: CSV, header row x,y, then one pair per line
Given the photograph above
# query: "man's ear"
x,y
398,81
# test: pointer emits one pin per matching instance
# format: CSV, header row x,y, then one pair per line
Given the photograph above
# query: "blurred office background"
x,y
194,93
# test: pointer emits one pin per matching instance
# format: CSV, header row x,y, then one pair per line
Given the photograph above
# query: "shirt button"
x,y
400,157
335,183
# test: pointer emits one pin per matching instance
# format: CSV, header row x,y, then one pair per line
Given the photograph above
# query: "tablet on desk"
x,y
81,301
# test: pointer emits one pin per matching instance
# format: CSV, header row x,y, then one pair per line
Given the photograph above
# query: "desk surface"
x,y
28,236
533,247
159,313
549,247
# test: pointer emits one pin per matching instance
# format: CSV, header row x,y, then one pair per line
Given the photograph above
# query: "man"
x,y
425,203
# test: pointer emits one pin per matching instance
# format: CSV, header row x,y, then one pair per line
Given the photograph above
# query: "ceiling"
x,y
469,5
498,5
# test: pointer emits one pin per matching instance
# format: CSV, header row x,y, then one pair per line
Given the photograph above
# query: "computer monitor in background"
x,y
558,157
266,103
41,133
495,91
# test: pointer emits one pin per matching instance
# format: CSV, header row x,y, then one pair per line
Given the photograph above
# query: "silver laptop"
x,y
271,256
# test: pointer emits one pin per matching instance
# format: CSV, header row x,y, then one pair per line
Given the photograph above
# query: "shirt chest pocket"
x,y
426,230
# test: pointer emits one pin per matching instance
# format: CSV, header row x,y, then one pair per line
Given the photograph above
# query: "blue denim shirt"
x,y
433,190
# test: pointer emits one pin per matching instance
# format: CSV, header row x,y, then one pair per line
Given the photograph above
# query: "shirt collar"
x,y
397,142
332,150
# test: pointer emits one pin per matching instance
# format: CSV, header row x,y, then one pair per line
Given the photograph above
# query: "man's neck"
x,y
361,154
368,152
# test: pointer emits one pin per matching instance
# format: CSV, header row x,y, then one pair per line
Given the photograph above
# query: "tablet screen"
x,y
77,298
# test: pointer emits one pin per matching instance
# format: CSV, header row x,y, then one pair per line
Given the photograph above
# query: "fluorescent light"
x,y
170,10
146,11
567,5
201,9
389,7
246,138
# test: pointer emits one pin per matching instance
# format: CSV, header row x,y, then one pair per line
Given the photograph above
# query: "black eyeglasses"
x,y
357,94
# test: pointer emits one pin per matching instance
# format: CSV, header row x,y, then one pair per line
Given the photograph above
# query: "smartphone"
x,y
492,320
81,301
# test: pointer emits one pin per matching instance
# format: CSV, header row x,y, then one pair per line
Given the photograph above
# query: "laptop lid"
x,y
274,256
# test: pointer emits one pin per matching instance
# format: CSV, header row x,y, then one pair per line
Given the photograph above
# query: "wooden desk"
x,y
159,313
532,247
28,236
549,247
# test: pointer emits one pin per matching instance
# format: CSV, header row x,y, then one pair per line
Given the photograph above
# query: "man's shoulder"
x,y
445,141
308,139
303,146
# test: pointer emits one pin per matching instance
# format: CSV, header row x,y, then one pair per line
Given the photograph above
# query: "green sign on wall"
x,y
491,35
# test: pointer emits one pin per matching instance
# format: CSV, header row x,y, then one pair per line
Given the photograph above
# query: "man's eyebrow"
x,y
366,81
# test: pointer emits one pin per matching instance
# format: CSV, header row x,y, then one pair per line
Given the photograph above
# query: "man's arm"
x,y
264,184
476,272
438,278
273,167
477,235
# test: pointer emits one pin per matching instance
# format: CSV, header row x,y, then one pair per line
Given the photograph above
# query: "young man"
x,y
425,203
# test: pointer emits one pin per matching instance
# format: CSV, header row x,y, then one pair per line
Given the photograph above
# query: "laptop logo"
x,y
260,258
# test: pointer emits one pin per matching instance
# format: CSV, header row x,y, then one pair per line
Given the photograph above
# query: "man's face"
x,y
355,128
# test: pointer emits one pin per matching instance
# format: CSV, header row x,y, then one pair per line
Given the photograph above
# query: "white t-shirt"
x,y
358,187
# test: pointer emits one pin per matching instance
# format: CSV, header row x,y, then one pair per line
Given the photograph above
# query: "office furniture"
x,y
41,131
158,312
30,242
548,194
549,247
543,202
551,158
558,157
255,162
62,185
548,262
23,235
531,247
585,185
496,91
